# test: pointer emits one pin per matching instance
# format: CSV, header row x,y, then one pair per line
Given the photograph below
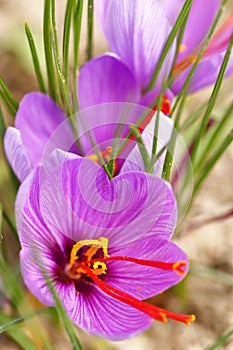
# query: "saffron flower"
x,y
136,32
104,244
41,126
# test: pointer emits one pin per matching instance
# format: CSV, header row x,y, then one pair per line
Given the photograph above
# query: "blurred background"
x,y
208,289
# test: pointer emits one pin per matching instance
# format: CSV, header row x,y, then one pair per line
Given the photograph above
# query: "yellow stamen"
x,y
182,48
99,267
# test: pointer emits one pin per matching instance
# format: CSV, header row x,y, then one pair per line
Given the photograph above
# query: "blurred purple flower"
x,y
137,30
93,238
41,126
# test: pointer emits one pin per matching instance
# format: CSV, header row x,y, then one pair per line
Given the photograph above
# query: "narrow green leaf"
x,y
64,88
90,29
20,319
8,97
199,57
10,224
111,167
209,146
18,334
78,14
35,58
212,99
221,341
142,148
69,327
11,283
49,50
213,160
212,274
167,167
2,126
66,38
181,18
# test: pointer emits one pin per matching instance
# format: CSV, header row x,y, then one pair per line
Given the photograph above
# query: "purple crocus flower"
x,y
137,30
41,126
104,244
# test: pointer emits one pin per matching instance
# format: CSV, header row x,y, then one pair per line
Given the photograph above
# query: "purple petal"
x,y
103,316
107,125
16,154
143,281
221,39
106,79
33,276
134,160
100,7
37,118
137,31
205,74
122,209
198,24
29,221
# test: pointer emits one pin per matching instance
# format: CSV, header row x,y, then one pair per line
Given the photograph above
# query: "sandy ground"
x,y
210,246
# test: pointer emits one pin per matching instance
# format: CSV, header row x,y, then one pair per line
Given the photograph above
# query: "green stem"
x,y
8,97
212,100
181,18
66,38
90,29
211,163
35,58
199,57
48,49
77,34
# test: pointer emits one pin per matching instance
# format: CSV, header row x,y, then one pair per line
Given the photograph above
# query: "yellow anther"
x,y
182,48
99,268
95,244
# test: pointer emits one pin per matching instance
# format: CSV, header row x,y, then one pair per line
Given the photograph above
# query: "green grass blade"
x,y
8,97
181,18
69,327
64,88
10,224
18,335
66,38
90,29
167,167
209,146
212,99
213,160
47,31
20,319
142,148
212,274
221,341
78,14
35,58
199,56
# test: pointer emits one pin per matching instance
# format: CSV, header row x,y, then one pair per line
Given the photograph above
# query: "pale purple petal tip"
x,y
137,31
15,153
37,118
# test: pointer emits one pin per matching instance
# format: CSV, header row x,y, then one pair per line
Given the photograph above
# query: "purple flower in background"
x,y
104,244
40,125
137,31
198,24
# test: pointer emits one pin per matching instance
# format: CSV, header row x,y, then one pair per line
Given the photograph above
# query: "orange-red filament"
x,y
95,268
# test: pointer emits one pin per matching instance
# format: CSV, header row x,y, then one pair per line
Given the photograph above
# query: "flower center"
x,y
105,156
85,263
75,270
